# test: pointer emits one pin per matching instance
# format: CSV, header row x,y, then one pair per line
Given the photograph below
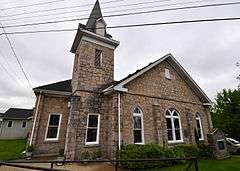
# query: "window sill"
x,y
51,141
176,142
139,143
92,145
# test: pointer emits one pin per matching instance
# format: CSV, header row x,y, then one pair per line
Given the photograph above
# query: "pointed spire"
x,y
94,16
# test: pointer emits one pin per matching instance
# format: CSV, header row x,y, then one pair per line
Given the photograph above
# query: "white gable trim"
x,y
179,69
119,87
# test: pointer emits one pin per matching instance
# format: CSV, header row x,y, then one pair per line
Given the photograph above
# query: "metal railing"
x,y
116,163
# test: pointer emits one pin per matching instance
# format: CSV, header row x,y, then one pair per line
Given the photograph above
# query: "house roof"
x,y
119,86
64,86
17,113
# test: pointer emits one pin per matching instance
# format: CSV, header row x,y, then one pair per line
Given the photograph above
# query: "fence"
x,y
116,163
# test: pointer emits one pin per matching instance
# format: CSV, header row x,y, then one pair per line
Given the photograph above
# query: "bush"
x,y
204,151
188,150
149,151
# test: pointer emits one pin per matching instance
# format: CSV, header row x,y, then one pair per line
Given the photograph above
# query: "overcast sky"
x,y
208,51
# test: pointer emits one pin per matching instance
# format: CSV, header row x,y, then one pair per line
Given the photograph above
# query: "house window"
x,y
199,127
53,128
174,129
167,74
98,58
10,123
92,132
138,132
24,124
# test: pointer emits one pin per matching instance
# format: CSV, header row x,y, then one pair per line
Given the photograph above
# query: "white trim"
x,y
119,121
64,93
198,118
179,69
171,117
100,39
59,126
35,118
98,130
142,129
98,42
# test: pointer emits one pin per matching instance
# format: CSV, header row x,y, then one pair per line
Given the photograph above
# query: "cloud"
x,y
208,51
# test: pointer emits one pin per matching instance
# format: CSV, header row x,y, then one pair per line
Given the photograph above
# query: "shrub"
x,y
148,151
188,150
204,151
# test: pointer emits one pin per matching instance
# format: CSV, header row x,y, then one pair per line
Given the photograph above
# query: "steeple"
x,y
95,15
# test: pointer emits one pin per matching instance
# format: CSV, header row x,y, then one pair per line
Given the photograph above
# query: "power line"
x,y
8,73
6,61
30,5
60,8
133,25
110,7
15,55
126,14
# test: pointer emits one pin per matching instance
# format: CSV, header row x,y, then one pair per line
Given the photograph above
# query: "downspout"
x,y
119,121
35,118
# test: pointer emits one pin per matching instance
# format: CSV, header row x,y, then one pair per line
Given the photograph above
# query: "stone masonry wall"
x,y
155,94
50,104
86,76
85,103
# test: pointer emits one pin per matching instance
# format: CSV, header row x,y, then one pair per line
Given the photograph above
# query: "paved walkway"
x,y
70,167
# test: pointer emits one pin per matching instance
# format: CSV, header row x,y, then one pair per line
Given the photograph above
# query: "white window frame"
x,y
198,119
142,130
98,130
11,124
25,124
167,74
171,117
59,127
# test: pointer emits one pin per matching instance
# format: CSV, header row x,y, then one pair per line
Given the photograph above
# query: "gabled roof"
x,y
17,113
119,86
64,86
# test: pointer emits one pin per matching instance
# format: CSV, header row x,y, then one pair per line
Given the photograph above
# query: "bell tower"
x,y
94,54
93,68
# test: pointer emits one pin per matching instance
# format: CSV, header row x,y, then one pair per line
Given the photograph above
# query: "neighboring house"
x,y
1,119
159,103
16,123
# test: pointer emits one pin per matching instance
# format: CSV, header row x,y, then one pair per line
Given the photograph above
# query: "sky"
x,y
208,51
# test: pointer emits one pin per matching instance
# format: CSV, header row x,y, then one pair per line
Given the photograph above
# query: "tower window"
x,y
98,58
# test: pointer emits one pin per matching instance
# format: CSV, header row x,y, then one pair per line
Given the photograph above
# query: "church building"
x,y
92,114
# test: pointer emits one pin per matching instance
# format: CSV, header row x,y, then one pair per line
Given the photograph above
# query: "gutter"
x,y
35,118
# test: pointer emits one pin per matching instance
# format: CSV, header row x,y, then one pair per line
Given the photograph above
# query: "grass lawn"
x,y
231,164
12,149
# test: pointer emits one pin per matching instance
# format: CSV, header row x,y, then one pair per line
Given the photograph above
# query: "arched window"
x,y
199,127
174,128
138,132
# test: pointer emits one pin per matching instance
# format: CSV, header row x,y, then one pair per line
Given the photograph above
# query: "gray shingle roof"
x,y
64,86
17,113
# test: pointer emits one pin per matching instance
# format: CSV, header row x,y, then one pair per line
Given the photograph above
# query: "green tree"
x,y
226,112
